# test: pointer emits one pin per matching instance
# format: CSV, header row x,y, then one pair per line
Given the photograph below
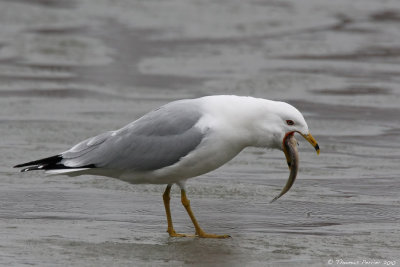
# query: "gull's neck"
x,y
249,121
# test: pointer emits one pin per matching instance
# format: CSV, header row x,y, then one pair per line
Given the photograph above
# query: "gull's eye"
x,y
290,122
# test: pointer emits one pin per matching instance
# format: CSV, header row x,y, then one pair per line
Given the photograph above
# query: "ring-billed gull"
x,y
180,140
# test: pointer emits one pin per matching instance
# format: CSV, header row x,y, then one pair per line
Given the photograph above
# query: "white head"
x,y
289,121
264,123
275,121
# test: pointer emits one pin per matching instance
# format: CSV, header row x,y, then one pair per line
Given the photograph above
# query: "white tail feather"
x,y
65,171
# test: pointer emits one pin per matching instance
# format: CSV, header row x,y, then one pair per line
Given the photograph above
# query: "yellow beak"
x,y
312,141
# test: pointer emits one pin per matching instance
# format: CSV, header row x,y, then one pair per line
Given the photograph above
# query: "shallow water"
x,y
72,69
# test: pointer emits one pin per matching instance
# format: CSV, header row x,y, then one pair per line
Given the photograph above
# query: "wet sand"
x,y
72,69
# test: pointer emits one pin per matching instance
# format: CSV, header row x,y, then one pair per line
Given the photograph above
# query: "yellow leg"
x,y
170,230
199,231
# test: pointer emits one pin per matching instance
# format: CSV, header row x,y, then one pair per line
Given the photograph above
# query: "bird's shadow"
x,y
167,250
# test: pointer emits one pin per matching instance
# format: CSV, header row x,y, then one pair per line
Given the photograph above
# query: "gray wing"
x,y
156,140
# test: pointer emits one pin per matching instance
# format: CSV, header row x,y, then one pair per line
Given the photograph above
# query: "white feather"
x,y
65,171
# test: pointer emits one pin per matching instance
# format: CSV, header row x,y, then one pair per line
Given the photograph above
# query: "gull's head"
x,y
289,120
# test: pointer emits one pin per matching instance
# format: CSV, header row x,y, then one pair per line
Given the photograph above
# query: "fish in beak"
x,y
289,145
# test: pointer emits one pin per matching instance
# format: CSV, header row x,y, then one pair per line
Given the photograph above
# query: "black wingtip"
x,y
45,161
32,168
50,163
18,166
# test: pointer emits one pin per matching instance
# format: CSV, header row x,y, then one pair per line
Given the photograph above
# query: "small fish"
x,y
292,157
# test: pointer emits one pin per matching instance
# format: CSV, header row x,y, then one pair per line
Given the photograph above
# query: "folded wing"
x,y
156,140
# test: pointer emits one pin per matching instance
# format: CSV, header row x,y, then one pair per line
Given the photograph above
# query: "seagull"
x,y
178,141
